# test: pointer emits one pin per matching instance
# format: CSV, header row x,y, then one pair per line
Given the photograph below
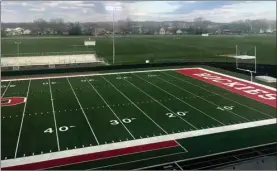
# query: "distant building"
x,y
178,31
162,31
26,32
14,31
137,29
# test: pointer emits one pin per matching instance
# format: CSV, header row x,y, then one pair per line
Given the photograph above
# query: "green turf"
x,y
149,98
156,48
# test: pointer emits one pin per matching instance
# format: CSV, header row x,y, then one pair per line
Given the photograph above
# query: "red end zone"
x,y
93,156
251,90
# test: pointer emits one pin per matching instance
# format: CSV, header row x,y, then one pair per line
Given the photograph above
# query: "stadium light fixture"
x,y
18,43
115,7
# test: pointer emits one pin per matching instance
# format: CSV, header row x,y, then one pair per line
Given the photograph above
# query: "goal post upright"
x,y
239,56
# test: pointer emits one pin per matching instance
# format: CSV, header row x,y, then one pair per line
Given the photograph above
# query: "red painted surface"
x,y
244,88
93,156
11,101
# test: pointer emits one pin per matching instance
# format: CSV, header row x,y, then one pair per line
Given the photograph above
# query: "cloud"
x,y
7,10
37,9
218,11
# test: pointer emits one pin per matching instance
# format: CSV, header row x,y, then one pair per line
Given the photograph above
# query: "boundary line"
x,y
181,100
115,156
23,114
249,147
83,112
55,122
110,109
95,74
218,94
162,138
6,89
136,105
112,73
202,98
149,158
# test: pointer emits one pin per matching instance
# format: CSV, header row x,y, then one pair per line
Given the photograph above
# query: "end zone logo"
x,y
251,90
11,101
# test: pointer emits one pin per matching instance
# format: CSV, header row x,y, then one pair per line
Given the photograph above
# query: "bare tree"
x,y
57,24
40,23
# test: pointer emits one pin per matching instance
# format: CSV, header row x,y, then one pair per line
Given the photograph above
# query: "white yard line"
x,y
23,114
214,154
111,109
135,105
202,98
181,146
180,101
153,99
178,166
54,115
124,144
6,89
218,94
149,158
81,107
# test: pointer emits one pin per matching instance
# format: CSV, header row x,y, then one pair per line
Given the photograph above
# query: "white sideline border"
x,y
127,72
131,143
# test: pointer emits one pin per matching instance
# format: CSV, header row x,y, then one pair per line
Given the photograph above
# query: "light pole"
x,y
18,43
113,8
113,39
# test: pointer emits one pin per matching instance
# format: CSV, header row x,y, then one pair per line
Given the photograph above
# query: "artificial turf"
x,y
75,112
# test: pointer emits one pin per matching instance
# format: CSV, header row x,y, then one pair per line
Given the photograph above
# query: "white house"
x,y
14,31
27,31
178,31
162,31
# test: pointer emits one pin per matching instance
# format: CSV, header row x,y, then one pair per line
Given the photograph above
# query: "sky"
x,y
94,11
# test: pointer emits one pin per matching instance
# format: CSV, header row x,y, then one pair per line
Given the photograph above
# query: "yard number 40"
x,y
62,129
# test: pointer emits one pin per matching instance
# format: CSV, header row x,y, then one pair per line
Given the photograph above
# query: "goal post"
x,y
246,56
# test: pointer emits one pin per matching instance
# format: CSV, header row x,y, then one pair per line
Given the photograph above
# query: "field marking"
x,y
154,99
83,75
110,109
124,144
115,156
214,154
83,112
180,101
23,114
181,146
218,94
178,166
6,89
136,105
258,84
201,98
112,73
55,122
149,158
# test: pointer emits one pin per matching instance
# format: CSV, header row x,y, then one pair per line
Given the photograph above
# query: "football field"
x,y
131,120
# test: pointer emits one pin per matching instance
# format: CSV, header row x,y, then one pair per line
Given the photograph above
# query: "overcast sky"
x,y
82,11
